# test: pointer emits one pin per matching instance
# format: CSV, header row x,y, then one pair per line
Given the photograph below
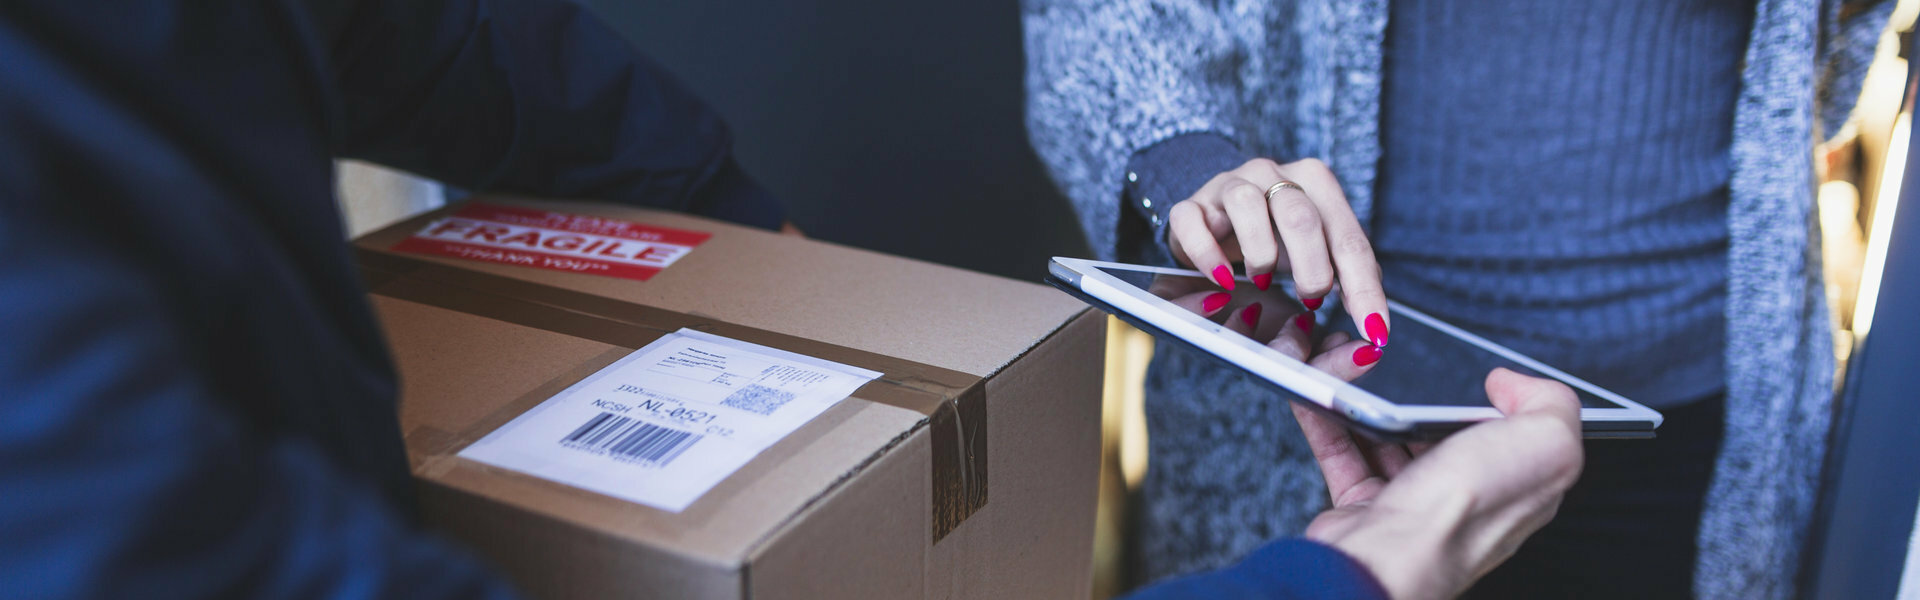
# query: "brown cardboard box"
x,y
893,493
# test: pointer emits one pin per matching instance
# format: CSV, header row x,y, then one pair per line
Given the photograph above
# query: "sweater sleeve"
x,y
1106,79
123,475
1289,569
1850,34
1168,172
528,96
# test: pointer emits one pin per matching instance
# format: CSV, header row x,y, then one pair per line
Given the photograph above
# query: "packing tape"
x,y
953,402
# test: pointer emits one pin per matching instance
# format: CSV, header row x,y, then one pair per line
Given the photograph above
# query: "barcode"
x,y
628,439
757,398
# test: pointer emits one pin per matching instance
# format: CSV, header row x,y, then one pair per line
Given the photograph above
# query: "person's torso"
x,y
1554,176
195,142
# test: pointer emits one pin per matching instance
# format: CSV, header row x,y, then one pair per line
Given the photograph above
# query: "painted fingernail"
x,y
1223,276
1215,301
1366,355
1304,322
1312,303
1251,315
1263,281
1377,330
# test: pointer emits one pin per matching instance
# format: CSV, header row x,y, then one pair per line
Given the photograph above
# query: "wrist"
x,y
1414,554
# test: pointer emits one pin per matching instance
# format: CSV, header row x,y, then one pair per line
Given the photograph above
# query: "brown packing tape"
x,y
954,402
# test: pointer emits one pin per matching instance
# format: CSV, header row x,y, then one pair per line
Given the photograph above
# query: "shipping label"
x,y
666,423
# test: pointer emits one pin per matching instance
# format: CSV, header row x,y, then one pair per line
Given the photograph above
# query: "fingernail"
x,y
1312,303
1377,330
1251,316
1223,276
1366,355
1304,322
1263,281
1214,301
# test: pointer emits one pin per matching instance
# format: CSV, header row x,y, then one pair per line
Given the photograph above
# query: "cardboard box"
x,y
968,470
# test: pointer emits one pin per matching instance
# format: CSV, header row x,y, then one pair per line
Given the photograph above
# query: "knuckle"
x,y
1261,166
1311,164
1354,243
1298,218
1245,195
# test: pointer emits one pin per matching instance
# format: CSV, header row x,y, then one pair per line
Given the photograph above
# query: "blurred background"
x,y
879,122
897,126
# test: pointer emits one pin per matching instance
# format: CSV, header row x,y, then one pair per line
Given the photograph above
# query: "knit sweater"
x,y
1109,78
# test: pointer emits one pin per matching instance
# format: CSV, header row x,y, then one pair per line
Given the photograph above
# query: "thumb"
x,y
1515,394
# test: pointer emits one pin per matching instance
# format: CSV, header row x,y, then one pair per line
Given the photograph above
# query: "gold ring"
x,y
1284,184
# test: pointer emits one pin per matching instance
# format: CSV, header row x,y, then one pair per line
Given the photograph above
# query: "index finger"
x,y
1353,260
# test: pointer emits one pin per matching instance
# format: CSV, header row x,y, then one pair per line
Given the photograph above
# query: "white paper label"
x,y
668,422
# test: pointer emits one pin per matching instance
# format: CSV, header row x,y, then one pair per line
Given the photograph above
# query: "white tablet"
x,y
1430,382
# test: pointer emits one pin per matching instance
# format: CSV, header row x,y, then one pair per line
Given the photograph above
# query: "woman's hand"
x,y
1309,228
1430,520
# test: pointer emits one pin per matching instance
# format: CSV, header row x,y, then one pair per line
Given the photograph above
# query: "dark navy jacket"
x,y
195,400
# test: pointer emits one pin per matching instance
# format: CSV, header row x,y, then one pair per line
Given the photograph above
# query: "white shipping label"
x,y
668,422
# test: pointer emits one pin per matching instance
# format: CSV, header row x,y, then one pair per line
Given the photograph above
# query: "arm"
x,y
120,476
1106,80
528,96
1417,522
1135,99
1290,569
1850,34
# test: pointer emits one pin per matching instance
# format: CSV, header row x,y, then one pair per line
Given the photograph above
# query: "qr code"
x,y
758,399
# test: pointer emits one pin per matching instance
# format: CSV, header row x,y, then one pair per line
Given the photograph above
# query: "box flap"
x,y
919,311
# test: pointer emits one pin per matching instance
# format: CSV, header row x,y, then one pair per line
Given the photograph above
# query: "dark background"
x,y
894,125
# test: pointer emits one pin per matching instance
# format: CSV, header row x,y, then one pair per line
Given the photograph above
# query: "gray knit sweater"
x,y
1289,80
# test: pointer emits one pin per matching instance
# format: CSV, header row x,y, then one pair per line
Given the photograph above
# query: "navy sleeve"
x,y
1162,175
1289,569
120,477
528,96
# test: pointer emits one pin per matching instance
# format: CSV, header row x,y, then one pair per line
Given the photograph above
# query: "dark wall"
x,y
893,125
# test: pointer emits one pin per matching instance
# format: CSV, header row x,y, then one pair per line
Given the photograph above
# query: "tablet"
x,y
1431,381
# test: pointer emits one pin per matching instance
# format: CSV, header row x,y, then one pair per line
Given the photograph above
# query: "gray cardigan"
x,y
1107,78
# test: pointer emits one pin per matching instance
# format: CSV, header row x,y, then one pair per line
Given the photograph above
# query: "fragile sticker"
x,y
542,239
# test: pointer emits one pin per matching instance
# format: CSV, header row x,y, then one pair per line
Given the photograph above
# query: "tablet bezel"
x,y
1327,391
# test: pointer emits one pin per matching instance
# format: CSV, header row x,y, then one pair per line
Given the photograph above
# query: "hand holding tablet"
x,y
1433,383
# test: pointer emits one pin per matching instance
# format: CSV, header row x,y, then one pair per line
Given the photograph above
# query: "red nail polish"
x,y
1263,281
1251,315
1305,323
1366,355
1377,330
1312,303
1215,301
1223,276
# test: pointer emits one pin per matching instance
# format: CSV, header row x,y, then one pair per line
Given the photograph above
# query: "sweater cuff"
x,y
732,195
1174,170
1340,575
1171,170
1288,569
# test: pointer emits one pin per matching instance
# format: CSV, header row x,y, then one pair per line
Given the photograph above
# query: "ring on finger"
x,y
1284,184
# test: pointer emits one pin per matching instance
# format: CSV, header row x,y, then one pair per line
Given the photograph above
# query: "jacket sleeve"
x,y
1106,79
1289,569
528,96
120,476
1850,34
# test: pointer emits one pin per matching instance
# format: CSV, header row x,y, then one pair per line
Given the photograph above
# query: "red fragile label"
x,y
549,240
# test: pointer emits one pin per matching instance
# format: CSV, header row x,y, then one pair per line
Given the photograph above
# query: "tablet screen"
x,y
1422,365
